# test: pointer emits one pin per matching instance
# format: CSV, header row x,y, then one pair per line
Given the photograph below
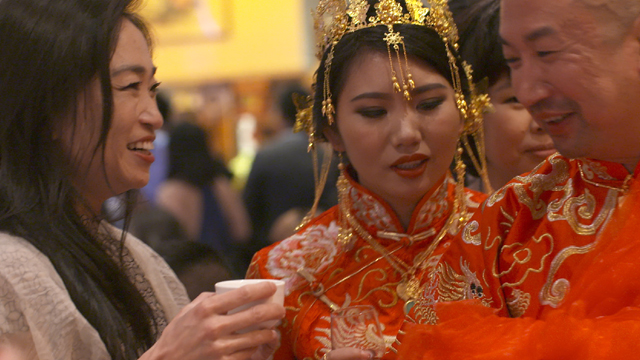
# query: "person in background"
x,y
155,226
514,142
77,93
197,265
398,206
282,176
199,194
287,224
560,244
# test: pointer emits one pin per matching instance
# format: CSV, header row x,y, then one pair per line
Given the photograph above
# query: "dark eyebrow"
x,y
372,95
533,36
425,88
138,69
416,91
539,33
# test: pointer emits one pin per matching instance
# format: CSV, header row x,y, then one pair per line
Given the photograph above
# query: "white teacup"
x,y
277,298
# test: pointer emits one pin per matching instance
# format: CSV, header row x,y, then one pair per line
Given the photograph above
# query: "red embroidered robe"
x,y
335,276
561,254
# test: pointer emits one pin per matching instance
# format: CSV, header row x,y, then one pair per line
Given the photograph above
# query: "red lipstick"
x,y
410,166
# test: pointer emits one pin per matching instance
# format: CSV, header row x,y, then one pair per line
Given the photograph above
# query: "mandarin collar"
x,y
375,215
606,173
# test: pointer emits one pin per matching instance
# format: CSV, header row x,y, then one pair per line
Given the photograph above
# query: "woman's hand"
x,y
348,354
267,350
203,331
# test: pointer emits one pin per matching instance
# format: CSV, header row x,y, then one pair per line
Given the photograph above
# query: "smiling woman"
x,y
77,93
393,101
126,158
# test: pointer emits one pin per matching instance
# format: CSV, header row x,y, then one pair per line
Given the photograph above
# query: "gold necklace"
x,y
408,289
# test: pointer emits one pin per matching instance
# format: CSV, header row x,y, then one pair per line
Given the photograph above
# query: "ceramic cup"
x,y
277,298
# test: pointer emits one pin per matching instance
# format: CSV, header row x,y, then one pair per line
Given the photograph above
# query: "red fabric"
x,y
349,276
599,316
471,332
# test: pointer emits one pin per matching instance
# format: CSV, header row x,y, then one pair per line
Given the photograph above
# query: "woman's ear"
x,y
335,139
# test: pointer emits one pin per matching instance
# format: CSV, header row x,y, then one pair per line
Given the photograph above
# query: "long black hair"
x,y
50,53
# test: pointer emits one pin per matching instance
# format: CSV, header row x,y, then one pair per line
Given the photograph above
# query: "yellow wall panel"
x,y
255,38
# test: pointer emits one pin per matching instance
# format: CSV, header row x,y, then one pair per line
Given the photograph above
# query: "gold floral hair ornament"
x,y
304,116
335,18
304,122
480,104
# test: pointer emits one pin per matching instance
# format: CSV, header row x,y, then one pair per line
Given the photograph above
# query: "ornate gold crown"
x,y
335,18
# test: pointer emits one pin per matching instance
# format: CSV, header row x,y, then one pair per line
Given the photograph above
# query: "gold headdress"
x,y
334,19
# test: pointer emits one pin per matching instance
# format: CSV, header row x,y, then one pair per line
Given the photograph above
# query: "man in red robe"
x,y
559,245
